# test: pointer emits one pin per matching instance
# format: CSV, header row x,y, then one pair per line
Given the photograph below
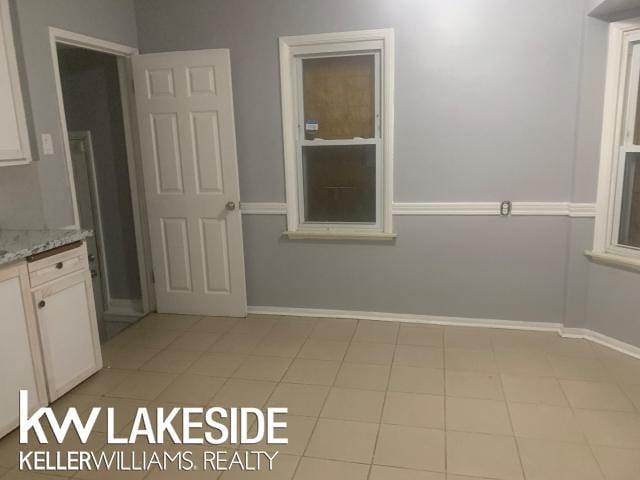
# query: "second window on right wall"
x,y
617,230
627,191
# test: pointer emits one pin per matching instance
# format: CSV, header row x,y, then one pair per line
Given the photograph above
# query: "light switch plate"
x,y
47,144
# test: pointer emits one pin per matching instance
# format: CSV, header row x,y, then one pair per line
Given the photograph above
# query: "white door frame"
x,y
123,54
85,137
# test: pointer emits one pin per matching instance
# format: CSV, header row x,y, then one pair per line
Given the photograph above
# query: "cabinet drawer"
x,y
56,266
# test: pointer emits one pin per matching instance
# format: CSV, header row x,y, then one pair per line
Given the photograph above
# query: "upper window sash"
x,y
629,135
377,97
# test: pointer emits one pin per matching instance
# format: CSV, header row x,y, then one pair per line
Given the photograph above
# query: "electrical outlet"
x,y
505,208
47,144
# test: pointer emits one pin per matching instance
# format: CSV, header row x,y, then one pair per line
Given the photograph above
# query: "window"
x,y
617,230
629,224
337,108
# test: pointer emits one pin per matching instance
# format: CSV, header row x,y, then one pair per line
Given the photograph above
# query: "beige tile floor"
x,y
383,401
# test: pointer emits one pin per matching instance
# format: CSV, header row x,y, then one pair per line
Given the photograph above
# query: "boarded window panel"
x,y
340,183
339,95
630,218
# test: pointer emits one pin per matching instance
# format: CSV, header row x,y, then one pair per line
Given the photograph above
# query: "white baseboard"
x,y
116,318
601,339
125,307
582,333
406,317
570,332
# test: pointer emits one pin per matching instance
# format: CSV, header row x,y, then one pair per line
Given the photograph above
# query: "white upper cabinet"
x,y
14,139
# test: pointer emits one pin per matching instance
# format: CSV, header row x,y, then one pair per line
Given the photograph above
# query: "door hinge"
x,y
153,277
133,87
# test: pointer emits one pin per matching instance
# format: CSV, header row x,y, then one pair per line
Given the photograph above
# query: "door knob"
x,y
92,257
231,205
42,304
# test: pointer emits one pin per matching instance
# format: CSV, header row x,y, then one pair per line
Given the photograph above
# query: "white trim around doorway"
x,y
123,53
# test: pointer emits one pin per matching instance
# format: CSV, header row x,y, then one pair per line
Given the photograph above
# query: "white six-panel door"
x,y
187,139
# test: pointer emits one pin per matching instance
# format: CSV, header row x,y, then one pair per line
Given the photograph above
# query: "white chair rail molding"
x,y
566,209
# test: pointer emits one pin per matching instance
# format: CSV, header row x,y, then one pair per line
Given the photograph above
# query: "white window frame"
x,y
292,49
621,91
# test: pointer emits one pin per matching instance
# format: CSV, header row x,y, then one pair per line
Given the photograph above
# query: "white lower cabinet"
x,y
66,317
49,339
20,359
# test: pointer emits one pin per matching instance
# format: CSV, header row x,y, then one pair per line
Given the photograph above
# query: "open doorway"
x,y
93,96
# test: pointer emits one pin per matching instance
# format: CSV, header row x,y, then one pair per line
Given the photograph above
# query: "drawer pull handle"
x,y
42,304
59,265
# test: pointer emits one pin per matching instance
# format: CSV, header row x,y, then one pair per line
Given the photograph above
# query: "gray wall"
x,y
485,91
486,106
20,201
91,90
457,266
585,169
578,270
614,304
112,20
589,112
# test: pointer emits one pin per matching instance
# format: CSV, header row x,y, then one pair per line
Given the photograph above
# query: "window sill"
x,y
613,260
338,235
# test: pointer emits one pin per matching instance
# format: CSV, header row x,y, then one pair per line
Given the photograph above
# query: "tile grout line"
x,y
611,379
444,399
582,432
284,374
203,353
313,430
293,358
191,329
384,403
266,402
622,386
304,451
513,430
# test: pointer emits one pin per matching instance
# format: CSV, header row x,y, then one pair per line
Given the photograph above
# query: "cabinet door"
x,y
14,139
68,332
20,360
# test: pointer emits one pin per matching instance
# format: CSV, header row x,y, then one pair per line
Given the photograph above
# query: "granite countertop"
x,y
18,244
